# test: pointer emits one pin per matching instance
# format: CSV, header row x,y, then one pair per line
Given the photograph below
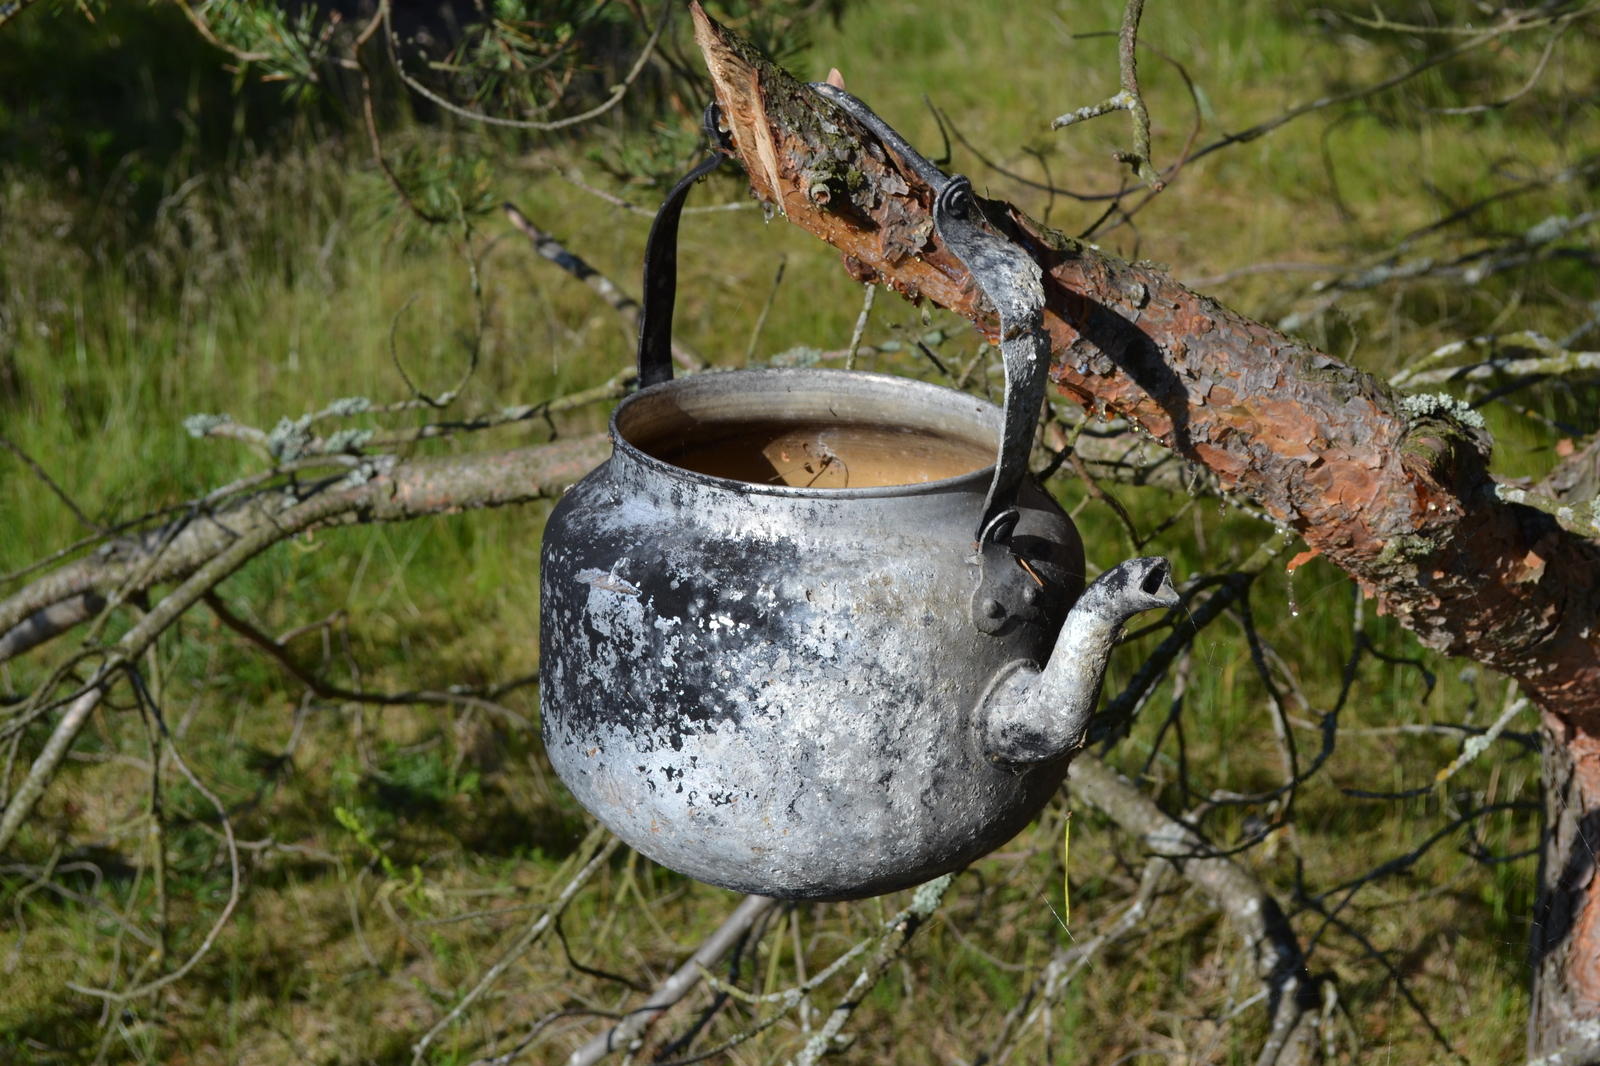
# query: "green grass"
x,y
271,286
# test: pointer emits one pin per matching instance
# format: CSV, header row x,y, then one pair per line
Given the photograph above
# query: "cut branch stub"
x,y
1396,492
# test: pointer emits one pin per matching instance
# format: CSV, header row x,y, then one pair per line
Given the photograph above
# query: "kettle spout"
x,y
1030,716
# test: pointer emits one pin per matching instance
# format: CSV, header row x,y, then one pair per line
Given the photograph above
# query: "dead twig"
x,y
1113,720
49,483
1270,944
369,115
530,936
139,991
618,92
482,698
461,481
627,1034
1065,964
1512,354
898,934
1129,100
623,304
381,489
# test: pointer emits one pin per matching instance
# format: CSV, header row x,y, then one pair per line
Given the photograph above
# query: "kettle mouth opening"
x,y
811,432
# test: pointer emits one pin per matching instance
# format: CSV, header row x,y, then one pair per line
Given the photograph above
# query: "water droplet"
x,y
1294,608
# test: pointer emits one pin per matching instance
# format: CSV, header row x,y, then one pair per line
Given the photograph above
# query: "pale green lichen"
x,y
1429,404
1404,548
350,405
203,425
288,440
346,440
927,897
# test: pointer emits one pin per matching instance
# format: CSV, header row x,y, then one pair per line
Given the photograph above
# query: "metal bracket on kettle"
x,y
1013,283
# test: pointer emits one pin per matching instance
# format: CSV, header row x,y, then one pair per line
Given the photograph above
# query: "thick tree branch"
x,y
393,490
1394,492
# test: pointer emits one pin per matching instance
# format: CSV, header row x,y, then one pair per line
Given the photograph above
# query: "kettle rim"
x,y
845,383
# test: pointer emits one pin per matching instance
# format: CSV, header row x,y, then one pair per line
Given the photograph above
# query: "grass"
x,y
270,286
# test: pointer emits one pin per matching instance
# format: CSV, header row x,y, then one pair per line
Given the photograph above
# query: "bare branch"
x,y
897,935
617,92
1065,965
397,493
48,622
627,1034
200,952
39,472
625,305
1270,943
384,489
204,29
530,936
1129,100
1515,20
370,116
1581,519
1515,354
860,327
1533,79
574,179
1113,720
467,697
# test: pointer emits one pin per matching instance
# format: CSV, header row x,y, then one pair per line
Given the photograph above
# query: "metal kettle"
x,y
818,634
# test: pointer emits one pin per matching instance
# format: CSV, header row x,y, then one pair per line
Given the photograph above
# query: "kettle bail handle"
x,y
661,262
1013,283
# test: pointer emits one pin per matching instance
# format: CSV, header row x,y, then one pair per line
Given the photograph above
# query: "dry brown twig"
x,y
599,854
1129,100
626,306
1271,949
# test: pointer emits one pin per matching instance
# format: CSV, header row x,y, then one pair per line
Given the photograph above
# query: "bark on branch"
x,y
1393,489
393,490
